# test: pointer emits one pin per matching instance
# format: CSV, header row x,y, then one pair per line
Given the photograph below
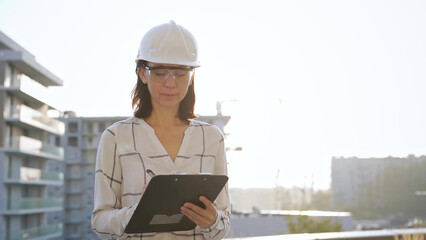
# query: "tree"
x,y
306,224
392,192
322,200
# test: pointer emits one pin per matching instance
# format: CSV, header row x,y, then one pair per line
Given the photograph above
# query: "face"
x,y
167,87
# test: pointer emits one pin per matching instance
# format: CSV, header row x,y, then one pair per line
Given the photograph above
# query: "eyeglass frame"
x,y
187,69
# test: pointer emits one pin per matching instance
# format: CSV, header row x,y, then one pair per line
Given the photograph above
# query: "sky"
x,y
303,81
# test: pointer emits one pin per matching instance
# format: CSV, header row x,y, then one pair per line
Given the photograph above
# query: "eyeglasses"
x,y
161,73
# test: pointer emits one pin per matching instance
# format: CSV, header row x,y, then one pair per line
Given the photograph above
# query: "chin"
x,y
169,104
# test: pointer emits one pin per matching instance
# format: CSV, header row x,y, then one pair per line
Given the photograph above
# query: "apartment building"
x,y
358,182
31,161
80,141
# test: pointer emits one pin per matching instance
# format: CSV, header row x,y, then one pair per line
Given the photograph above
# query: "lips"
x,y
168,94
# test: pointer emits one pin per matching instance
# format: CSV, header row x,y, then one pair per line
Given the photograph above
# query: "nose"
x,y
170,82
170,74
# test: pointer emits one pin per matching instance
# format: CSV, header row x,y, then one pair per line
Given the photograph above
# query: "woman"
x,y
163,137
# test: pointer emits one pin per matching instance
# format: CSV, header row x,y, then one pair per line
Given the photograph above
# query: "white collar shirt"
x,y
127,149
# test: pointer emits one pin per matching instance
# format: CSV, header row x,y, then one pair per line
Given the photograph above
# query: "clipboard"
x,y
159,208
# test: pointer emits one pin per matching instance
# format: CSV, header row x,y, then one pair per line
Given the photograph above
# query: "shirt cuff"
x,y
130,210
218,224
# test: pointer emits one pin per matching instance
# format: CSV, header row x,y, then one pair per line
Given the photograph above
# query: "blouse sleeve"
x,y
222,225
109,218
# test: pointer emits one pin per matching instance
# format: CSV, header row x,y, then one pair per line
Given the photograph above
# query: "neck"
x,y
164,119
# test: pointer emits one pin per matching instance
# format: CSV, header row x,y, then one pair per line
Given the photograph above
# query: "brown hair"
x,y
142,105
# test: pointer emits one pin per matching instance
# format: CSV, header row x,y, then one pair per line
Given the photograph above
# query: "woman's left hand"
x,y
202,217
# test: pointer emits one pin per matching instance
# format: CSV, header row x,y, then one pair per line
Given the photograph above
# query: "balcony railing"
x,y
73,205
22,206
73,235
74,218
74,175
36,119
35,232
34,175
75,190
32,203
35,147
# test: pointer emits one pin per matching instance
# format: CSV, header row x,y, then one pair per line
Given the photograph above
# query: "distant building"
x,y
274,222
31,162
80,141
349,177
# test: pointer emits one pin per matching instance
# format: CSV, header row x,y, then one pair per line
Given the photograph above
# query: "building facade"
x,y
31,160
80,141
358,182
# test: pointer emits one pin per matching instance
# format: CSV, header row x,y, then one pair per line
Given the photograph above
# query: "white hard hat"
x,y
169,43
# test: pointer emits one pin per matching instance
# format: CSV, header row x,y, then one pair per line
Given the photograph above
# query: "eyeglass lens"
x,y
162,74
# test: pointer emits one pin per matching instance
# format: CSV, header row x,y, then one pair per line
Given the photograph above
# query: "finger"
x,y
209,205
210,213
195,217
191,214
203,217
195,208
198,219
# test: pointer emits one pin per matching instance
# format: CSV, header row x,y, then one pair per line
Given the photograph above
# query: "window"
x,y
72,127
101,127
90,127
72,141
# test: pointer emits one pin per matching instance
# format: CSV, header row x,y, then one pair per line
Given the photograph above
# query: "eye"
x,y
180,73
159,72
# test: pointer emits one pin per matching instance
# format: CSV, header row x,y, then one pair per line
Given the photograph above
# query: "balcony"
x,y
73,205
81,158
75,190
90,143
41,232
28,90
88,158
27,203
74,218
27,64
26,175
32,147
34,205
72,154
73,175
73,235
29,118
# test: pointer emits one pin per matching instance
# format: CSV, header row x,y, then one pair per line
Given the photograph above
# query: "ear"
x,y
141,74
